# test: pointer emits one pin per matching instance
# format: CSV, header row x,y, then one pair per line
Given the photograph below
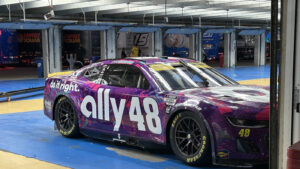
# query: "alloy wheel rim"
x,y
66,116
188,136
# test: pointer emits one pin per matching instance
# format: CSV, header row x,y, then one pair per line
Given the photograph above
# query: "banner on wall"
x,y
134,44
30,46
29,37
71,38
176,45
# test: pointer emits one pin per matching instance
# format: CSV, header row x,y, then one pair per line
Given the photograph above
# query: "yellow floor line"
x,y
260,82
13,161
21,106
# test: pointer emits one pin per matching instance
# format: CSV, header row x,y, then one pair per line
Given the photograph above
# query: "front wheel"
x,y
66,118
189,139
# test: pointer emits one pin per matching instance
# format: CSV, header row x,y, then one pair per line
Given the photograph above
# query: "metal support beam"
x,y
55,60
86,42
296,87
229,49
281,123
158,39
22,5
152,44
199,46
192,49
274,115
96,17
51,59
83,12
57,48
9,12
111,43
259,50
263,49
103,45
45,51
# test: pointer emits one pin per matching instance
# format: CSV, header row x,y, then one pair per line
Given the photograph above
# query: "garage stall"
x,y
219,46
81,45
21,51
251,47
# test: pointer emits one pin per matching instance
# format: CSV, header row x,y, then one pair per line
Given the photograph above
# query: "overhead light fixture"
x,y
49,15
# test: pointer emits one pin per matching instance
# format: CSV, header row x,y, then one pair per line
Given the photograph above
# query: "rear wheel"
x,y
189,139
66,118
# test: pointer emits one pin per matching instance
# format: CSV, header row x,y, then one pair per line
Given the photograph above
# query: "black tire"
x,y
66,118
189,139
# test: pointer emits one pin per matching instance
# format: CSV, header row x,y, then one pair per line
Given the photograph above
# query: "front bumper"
x,y
240,146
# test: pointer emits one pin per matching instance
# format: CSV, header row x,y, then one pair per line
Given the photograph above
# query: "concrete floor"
x,y
28,138
18,73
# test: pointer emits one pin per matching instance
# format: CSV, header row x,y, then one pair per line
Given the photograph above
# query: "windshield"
x,y
178,76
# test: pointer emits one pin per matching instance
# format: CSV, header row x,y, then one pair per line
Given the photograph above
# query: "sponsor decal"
x,y
161,67
123,62
196,157
100,110
244,133
224,154
199,65
170,100
243,93
64,86
175,119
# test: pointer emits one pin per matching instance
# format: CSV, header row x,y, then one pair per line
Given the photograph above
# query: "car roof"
x,y
155,60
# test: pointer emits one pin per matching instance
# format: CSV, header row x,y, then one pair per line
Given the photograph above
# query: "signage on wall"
x,y
141,39
72,38
29,37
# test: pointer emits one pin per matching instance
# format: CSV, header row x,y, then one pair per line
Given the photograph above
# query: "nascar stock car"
x,y
201,114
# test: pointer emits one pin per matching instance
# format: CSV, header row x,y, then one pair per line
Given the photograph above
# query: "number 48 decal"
x,y
244,132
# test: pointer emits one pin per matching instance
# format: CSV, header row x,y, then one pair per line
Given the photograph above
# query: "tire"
x,y
189,139
66,118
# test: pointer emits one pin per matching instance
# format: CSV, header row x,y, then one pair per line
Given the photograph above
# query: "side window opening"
x,y
143,82
93,74
125,76
113,75
134,78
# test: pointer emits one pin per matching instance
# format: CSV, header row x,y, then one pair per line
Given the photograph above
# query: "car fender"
x,y
56,97
179,108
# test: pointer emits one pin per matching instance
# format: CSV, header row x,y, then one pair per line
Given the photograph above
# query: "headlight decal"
x,y
247,123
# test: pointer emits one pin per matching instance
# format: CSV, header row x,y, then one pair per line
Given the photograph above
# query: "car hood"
x,y
237,101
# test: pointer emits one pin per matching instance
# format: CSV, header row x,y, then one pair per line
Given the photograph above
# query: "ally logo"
x,y
100,110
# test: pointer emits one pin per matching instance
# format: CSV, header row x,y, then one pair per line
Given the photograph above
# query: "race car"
x,y
200,113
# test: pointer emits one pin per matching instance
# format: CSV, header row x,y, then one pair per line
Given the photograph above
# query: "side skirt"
x,y
132,141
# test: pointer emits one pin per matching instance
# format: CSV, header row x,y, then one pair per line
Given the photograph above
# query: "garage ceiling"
x,y
190,12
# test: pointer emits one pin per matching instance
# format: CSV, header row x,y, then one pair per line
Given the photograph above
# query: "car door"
x,y
127,104
123,104
134,109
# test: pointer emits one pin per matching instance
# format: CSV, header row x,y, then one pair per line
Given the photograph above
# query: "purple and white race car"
x,y
201,114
